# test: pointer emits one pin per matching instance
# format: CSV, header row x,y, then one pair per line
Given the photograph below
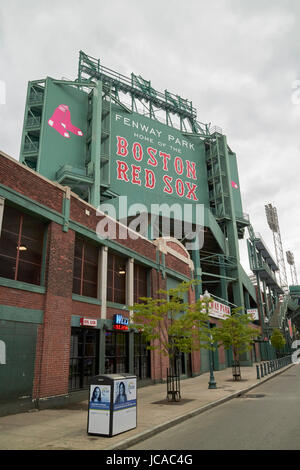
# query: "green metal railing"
x,y
31,147
268,367
140,89
36,97
33,122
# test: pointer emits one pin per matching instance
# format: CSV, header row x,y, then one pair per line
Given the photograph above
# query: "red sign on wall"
x,y
88,322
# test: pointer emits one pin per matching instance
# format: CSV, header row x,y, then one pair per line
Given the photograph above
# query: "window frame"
x,y
112,274
116,358
85,262
137,282
20,236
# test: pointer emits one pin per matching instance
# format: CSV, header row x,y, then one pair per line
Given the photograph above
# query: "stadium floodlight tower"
x,y
291,262
272,219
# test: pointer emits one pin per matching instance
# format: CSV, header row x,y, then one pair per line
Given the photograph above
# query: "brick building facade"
x,y
49,356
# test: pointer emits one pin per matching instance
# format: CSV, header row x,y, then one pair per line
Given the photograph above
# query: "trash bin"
x,y
112,404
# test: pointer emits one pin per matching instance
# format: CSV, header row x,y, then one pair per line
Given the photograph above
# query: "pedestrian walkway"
x,y
66,428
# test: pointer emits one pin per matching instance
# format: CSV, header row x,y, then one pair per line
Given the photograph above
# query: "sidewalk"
x,y
66,428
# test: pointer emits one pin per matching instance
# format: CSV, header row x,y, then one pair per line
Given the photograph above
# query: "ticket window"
x,y
84,357
142,364
116,352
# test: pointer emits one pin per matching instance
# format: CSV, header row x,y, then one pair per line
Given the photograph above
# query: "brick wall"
x,y
30,184
54,340
119,233
21,298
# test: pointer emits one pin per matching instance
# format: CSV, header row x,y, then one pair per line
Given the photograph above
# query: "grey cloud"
x,y
235,59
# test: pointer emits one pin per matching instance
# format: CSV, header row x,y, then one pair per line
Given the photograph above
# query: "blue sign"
x,y
120,322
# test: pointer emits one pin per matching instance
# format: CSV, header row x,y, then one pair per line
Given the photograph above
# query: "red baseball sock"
x,y
61,122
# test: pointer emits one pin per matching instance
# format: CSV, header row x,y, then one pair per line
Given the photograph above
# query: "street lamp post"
x,y
212,383
266,329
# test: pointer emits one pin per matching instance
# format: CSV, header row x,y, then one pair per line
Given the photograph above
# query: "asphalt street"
x,y
266,418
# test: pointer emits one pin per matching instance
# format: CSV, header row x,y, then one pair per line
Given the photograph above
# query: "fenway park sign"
x,y
154,158
219,310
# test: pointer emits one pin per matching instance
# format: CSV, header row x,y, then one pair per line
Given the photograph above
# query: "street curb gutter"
x,y
162,427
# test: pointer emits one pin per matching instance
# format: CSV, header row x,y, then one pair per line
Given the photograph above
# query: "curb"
x,y
162,427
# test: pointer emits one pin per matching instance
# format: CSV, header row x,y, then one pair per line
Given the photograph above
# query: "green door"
x,y
204,360
18,346
229,357
215,357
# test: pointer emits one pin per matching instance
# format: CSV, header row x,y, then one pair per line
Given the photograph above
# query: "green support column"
x,y
223,282
96,144
266,300
260,302
271,301
247,300
206,356
246,357
232,235
195,255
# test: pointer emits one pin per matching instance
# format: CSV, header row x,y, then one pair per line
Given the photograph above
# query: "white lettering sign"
x,y
253,312
219,310
88,322
2,352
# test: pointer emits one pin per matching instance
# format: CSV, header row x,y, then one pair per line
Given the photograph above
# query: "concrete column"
x,y
102,279
130,301
130,282
1,212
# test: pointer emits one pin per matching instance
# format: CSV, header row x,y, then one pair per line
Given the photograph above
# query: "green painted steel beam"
x,y
89,300
219,276
22,285
96,144
20,314
75,83
128,110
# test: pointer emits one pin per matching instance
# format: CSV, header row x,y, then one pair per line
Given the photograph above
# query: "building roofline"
x,y
66,189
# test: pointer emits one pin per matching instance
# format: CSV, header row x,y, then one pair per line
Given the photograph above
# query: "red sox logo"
x,y
61,122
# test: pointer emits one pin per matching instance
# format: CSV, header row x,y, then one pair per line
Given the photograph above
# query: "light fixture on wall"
x,y
122,270
22,248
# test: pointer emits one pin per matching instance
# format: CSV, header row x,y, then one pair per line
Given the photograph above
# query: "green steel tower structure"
x,y
132,140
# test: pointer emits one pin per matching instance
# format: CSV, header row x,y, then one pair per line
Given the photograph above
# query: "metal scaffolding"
x,y
272,219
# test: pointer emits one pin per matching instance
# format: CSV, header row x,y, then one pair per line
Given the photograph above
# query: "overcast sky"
x,y
237,60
